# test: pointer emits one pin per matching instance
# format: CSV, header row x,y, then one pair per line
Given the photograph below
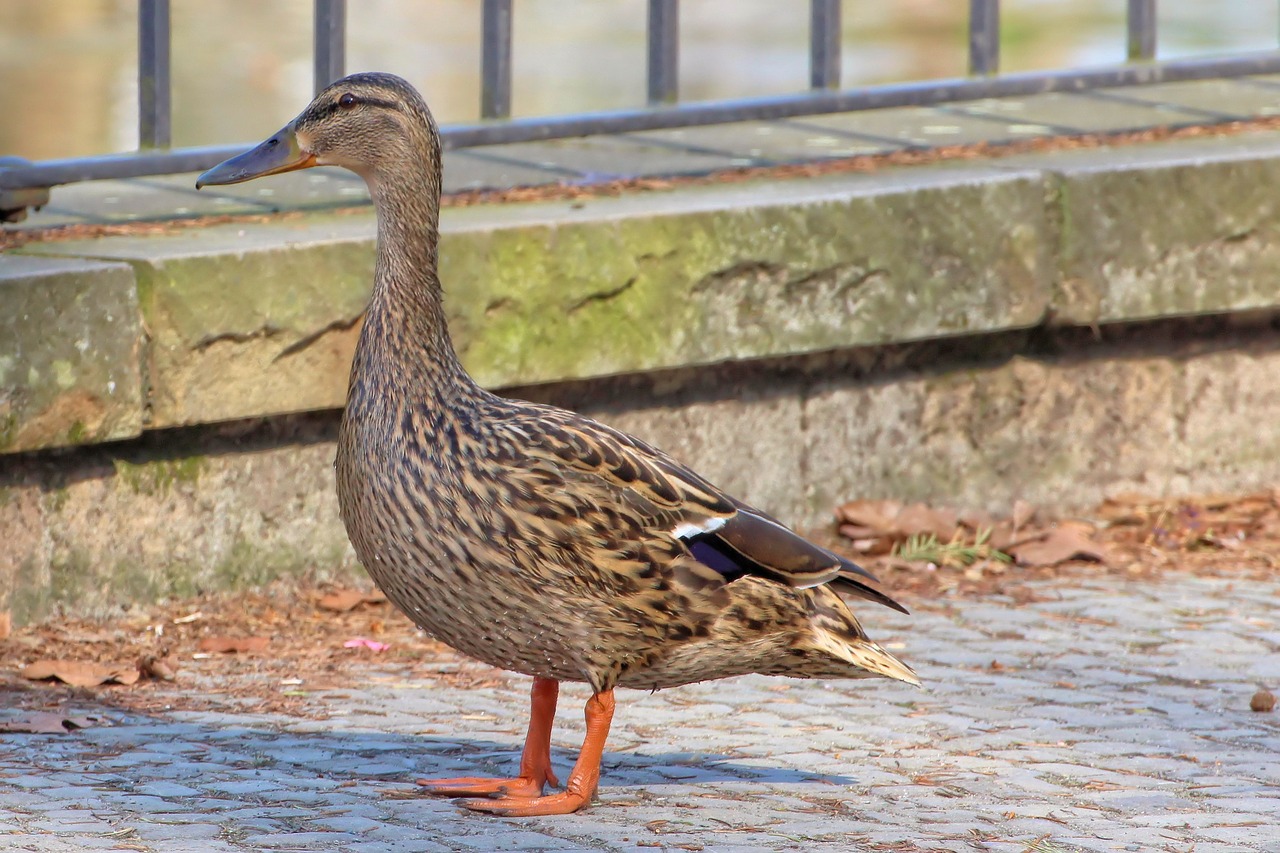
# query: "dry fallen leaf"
x,y
232,645
162,668
80,673
1067,541
878,525
6,624
349,599
43,722
1023,514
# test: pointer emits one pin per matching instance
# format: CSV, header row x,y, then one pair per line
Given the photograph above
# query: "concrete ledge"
x,y
70,346
1167,231
262,321
259,320
245,322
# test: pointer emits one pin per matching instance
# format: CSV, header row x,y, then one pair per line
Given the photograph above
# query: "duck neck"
x,y
406,311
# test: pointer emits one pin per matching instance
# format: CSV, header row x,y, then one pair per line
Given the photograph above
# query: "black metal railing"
x,y
24,184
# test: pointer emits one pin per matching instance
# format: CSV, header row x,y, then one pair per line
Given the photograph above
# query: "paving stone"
x,y
354,824
198,828
167,790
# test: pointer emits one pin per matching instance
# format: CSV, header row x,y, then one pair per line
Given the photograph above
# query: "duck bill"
x,y
281,153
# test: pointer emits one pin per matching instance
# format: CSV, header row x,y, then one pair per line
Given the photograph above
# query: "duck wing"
x,y
724,534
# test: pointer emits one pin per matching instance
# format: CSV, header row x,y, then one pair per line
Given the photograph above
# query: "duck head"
x,y
365,122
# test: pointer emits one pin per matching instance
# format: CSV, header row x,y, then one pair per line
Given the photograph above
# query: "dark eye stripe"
x,y
326,110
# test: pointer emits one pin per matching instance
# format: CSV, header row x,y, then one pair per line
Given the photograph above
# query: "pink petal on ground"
x,y
363,643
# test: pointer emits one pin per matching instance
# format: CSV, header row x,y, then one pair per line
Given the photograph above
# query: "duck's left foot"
x,y
535,763
565,802
582,781
521,787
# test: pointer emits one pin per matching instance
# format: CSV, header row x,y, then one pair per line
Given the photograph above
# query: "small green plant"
x,y
958,553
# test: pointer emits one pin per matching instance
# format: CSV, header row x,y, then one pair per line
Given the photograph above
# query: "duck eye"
x,y
348,100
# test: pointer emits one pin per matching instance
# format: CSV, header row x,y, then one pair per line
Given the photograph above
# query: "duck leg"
x,y
582,781
535,761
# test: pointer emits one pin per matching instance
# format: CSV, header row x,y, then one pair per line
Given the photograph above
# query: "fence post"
x,y
664,49
154,125
984,37
330,41
1142,30
495,60
824,44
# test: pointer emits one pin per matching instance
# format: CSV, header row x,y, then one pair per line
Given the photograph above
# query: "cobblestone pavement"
x,y
1102,716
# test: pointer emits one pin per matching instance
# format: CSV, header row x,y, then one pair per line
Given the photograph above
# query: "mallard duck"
x,y
529,537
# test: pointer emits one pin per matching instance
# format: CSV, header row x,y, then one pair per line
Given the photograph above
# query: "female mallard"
x,y
526,536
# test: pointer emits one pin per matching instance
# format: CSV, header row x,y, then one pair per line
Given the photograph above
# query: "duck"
x,y
527,536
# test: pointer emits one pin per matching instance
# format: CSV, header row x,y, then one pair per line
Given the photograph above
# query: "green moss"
x,y
129,582
71,577
160,476
29,602
8,431
187,299
247,566
77,433
79,582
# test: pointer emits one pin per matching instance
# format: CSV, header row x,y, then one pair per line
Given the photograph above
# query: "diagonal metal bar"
x,y
154,117
1142,30
495,61
664,51
330,41
824,44
984,36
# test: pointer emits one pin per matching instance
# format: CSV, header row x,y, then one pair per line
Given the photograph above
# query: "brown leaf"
x,y
1023,513
232,645
349,599
895,521
1067,541
6,624
920,519
1126,507
43,722
1003,534
80,673
160,668
871,515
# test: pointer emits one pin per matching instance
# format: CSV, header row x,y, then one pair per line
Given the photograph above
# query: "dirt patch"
x,y
280,649
268,651
1137,537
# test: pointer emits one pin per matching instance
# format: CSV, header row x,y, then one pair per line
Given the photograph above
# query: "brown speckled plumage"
x,y
529,537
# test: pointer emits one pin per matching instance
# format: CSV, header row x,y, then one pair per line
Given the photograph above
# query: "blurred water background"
x,y
68,72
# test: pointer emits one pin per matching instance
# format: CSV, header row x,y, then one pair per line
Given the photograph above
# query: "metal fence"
x,y
24,184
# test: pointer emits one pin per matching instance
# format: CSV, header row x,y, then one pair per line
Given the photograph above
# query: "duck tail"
x,y
863,654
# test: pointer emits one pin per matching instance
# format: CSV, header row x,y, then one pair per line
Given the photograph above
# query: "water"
x,y
242,67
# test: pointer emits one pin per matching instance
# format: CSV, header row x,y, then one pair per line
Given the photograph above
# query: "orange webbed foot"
x,y
522,796
565,802
521,787
535,762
